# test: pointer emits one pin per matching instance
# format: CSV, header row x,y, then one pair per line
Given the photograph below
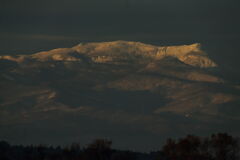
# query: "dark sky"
x,y
28,26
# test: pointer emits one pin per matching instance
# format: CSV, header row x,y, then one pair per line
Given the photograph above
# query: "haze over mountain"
x,y
129,92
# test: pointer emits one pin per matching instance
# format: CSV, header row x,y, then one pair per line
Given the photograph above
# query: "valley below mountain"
x,y
133,93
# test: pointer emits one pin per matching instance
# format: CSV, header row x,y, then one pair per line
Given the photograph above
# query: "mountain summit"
x,y
119,51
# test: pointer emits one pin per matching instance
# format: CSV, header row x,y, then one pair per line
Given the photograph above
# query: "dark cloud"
x,y
74,17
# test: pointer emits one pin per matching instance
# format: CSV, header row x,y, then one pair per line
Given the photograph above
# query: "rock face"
x,y
113,90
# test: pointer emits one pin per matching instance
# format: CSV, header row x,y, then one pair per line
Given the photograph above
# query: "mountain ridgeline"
x,y
126,91
122,51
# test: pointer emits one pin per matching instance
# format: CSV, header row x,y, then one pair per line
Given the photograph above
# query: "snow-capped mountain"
x,y
113,89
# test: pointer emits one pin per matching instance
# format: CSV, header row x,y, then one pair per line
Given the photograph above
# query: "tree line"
x,y
219,146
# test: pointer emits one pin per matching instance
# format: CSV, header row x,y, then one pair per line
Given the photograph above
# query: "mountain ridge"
x,y
104,52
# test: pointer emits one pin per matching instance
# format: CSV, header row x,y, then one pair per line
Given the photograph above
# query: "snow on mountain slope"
x,y
110,52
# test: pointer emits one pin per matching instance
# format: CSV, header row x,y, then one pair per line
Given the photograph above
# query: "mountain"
x,y
129,92
118,51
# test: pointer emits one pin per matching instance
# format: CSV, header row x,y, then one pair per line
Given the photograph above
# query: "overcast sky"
x,y
32,25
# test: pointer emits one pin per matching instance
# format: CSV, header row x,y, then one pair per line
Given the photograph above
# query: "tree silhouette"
x,y
218,147
224,147
100,149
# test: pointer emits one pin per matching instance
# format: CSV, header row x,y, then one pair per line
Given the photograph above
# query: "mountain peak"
x,y
189,54
116,51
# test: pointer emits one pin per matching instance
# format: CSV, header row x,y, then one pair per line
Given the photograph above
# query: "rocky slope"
x,y
114,90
